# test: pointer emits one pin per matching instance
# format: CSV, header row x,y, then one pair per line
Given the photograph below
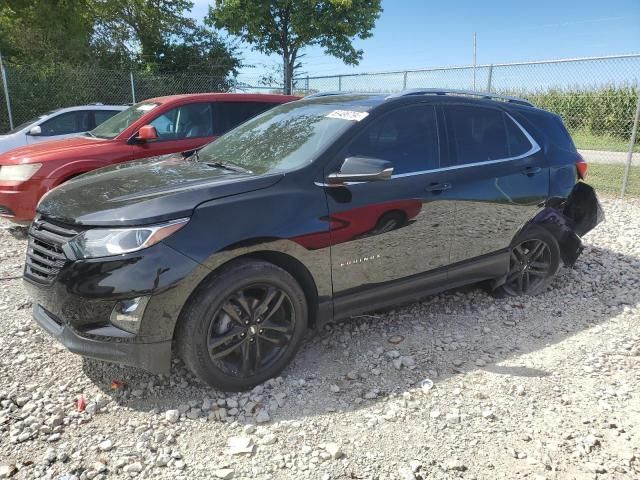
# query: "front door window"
x,y
388,230
194,120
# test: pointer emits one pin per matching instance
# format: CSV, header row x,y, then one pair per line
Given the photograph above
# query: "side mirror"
x,y
361,169
35,131
147,133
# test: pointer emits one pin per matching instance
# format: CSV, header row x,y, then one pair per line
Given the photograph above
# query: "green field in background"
x,y
589,141
608,178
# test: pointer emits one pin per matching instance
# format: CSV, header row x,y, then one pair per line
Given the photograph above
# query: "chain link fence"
x,y
596,97
32,91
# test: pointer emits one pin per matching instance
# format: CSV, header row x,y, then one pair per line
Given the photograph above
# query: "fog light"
x,y
128,313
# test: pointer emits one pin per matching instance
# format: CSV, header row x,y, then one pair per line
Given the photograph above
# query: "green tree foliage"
x,y
38,31
284,27
140,30
152,35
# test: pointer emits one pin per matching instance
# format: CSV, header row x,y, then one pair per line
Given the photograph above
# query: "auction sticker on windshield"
x,y
146,107
347,115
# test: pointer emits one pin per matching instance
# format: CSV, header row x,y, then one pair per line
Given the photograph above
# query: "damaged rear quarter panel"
x,y
571,219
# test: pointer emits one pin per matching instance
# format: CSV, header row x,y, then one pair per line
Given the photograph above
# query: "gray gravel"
x,y
460,385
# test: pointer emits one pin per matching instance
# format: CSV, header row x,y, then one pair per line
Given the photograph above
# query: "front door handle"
x,y
529,171
438,187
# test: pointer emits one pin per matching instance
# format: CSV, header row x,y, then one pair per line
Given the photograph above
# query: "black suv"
x,y
311,212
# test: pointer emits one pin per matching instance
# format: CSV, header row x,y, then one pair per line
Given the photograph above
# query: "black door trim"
x,y
367,298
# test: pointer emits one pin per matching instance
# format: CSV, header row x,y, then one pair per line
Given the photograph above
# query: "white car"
x,y
57,124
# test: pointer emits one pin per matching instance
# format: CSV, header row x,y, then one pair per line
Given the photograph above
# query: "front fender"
x,y
72,169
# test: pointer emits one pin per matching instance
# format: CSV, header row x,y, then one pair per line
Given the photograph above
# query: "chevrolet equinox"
x,y
313,211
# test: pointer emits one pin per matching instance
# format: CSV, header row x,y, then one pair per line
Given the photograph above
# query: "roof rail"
x,y
323,94
439,91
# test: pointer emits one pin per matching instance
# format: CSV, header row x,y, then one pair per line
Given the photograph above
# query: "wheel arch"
x,y
298,271
72,169
552,220
288,263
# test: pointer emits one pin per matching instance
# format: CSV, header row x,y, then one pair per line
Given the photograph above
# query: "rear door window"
x,y
407,137
480,134
229,115
67,123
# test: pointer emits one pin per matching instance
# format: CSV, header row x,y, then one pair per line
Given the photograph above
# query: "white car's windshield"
x,y
114,126
284,138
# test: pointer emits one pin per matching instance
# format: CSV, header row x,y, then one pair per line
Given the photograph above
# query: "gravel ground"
x,y
544,387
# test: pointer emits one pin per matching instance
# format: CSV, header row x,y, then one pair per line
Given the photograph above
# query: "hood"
x,y
145,192
67,146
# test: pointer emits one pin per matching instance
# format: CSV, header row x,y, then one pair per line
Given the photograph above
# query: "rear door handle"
x,y
438,187
529,171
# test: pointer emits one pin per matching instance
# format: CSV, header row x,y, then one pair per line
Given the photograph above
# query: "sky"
x,y
413,34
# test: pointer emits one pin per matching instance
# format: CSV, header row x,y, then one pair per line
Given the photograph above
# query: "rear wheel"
x,y
534,261
243,326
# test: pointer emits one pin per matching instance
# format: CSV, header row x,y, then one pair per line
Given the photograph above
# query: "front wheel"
x,y
243,326
534,262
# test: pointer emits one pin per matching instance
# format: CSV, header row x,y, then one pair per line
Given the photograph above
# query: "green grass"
x,y
608,178
589,141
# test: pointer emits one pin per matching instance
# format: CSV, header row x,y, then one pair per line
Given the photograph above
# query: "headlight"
x,y
104,242
18,173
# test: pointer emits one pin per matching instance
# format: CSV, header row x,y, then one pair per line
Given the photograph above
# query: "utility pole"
x,y
475,57
632,144
6,92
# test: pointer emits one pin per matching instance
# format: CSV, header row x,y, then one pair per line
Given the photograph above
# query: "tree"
x,y
200,51
34,32
140,29
158,35
284,27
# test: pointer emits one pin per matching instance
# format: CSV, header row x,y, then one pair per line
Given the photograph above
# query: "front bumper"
x,y
153,357
75,306
18,201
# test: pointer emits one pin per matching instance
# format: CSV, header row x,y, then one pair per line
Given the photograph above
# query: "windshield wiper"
x,y
228,166
89,134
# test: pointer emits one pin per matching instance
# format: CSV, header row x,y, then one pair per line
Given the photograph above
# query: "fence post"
x,y
490,78
306,85
5,87
632,144
133,88
339,83
404,81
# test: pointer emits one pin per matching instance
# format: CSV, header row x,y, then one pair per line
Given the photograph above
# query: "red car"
x,y
157,126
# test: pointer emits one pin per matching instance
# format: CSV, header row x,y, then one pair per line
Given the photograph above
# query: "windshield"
x,y
116,124
284,138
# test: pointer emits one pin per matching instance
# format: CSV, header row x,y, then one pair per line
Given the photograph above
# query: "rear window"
x,y
229,115
479,134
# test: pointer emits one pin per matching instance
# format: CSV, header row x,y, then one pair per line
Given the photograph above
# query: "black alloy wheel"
x,y
529,267
251,330
243,325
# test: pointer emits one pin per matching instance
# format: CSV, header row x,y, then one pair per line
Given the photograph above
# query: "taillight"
x,y
581,167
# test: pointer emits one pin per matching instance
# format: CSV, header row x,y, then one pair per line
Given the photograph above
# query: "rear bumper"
x,y
583,209
572,218
153,357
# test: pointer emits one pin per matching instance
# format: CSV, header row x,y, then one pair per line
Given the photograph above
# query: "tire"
x,y
534,261
243,325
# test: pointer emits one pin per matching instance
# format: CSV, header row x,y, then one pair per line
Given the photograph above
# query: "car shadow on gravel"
x,y
359,362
